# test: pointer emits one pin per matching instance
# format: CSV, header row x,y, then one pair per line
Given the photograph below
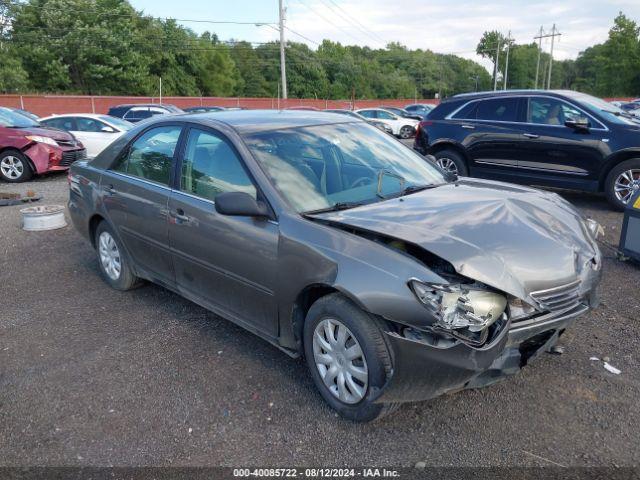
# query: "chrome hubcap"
x,y
12,167
405,132
340,361
447,165
109,255
627,184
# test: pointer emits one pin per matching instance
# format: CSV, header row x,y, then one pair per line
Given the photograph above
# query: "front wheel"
x,y
623,182
347,356
407,132
14,167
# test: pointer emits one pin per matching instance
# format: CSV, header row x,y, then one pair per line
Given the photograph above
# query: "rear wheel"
x,y
113,261
14,167
347,356
451,161
623,182
407,132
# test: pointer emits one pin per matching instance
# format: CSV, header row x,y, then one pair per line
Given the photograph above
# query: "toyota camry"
x,y
395,281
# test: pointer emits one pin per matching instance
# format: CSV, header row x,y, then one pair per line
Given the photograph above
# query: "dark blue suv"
x,y
560,139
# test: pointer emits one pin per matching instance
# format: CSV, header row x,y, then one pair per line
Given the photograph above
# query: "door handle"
x,y
109,190
180,216
531,135
467,126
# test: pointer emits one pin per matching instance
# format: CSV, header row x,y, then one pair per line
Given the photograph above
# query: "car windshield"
x,y
339,165
11,119
118,122
609,111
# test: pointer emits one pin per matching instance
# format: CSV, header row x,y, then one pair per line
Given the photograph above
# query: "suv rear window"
x,y
498,109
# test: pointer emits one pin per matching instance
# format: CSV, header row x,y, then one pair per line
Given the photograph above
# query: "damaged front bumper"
x,y
423,371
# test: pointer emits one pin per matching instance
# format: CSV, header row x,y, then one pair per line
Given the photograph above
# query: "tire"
x,y
406,131
622,183
15,167
375,358
452,161
121,278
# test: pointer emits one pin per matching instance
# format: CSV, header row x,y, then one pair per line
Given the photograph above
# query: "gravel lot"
x,y
92,376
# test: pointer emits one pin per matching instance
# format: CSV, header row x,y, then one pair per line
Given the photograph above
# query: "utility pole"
x,y
495,67
554,33
283,66
553,37
539,38
506,68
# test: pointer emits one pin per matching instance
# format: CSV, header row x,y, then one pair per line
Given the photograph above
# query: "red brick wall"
x,y
44,105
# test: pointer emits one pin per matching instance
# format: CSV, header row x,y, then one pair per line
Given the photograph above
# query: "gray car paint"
x,y
515,239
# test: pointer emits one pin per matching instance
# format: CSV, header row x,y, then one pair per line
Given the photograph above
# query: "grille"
x,y
69,157
563,297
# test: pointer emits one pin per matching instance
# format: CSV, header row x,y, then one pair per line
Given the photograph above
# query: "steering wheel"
x,y
361,182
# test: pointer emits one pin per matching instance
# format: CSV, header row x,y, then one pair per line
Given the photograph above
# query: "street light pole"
x,y
495,76
506,68
283,66
539,37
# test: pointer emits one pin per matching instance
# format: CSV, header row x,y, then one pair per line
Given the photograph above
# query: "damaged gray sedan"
x,y
333,241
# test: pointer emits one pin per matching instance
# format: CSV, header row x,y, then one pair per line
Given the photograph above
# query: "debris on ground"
x,y
607,366
8,199
610,368
557,350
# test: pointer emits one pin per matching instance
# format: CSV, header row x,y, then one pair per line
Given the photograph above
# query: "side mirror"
x,y
579,123
240,204
107,129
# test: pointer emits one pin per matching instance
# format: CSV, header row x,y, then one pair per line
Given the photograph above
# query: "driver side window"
x,y
550,111
385,115
211,167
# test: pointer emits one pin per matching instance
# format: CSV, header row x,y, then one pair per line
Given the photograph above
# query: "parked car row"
x,y
395,280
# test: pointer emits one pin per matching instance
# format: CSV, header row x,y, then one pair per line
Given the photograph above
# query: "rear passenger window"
x,y
498,109
467,112
151,155
211,167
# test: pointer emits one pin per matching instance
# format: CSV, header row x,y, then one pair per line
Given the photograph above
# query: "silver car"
x,y
393,279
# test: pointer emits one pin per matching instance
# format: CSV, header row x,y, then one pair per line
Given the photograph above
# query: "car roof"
x,y
252,121
129,105
499,93
97,116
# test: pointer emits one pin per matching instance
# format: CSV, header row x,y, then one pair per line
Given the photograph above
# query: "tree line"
x,y
106,47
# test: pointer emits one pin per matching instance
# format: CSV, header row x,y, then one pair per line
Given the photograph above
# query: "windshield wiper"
x,y
334,208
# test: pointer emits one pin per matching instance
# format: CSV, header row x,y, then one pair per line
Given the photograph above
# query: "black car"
x,y
422,109
403,113
141,111
562,139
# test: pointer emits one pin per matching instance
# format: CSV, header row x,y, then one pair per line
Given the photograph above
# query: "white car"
x,y
94,131
401,127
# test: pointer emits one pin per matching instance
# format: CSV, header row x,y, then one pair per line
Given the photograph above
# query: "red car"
x,y
27,148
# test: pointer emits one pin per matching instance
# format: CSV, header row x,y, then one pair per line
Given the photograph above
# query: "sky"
x,y
443,26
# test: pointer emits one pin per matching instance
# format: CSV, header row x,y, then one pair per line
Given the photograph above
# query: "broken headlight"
x,y
519,309
460,306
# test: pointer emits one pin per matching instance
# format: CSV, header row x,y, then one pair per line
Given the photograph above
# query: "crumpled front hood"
x,y
43,131
513,238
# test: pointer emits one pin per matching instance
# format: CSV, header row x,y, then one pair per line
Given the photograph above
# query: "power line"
x,y
344,15
313,10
